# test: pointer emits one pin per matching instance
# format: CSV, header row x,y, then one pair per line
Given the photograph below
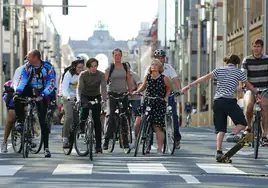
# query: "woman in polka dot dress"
x,y
156,85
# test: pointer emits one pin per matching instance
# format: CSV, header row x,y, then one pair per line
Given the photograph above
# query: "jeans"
x,y
173,104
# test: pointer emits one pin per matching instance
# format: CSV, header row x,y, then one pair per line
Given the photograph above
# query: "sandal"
x,y
264,141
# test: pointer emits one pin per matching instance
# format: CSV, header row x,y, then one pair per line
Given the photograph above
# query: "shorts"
x,y
224,107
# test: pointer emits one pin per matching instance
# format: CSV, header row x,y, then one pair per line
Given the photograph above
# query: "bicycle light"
x,y
169,108
257,107
148,108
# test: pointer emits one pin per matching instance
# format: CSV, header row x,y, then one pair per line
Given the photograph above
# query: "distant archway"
x,y
103,62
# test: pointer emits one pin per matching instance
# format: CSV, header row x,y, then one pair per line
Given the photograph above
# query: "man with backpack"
x,y
119,81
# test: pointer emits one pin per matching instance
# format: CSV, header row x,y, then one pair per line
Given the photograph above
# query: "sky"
x,y
123,17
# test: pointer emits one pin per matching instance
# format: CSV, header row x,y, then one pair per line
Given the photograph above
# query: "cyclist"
x,y
225,103
256,67
37,79
69,89
91,86
188,110
156,85
135,100
118,78
8,98
170,72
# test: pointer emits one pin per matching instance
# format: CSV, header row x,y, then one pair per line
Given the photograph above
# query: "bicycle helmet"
x,y
78,59
159,53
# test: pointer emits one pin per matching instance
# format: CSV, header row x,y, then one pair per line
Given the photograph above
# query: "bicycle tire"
x,y
90,140
139,137
257,128
112,140
39,146
170,144
124,121
147,139
25,138
68,151
76,136
15,136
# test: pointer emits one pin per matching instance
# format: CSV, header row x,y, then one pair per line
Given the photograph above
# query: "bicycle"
x,y
71,137
121,119
188,119
16,137
89,131
50,114
145,131
29,128
169,130
257,132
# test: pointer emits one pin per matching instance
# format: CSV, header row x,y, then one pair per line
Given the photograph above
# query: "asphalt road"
x,y
192,166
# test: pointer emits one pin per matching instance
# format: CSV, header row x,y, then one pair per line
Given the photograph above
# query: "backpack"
x,y
8,92
65,71
112,69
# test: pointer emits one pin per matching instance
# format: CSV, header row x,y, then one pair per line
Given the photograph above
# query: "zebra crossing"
x,y
131,169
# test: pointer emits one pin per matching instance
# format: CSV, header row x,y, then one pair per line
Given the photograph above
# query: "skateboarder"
x,y
225,103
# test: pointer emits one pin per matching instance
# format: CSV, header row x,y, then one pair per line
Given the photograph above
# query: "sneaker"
x,y
47,153
232,138
105,144
264,141
178,144
4,147
218,155
65,142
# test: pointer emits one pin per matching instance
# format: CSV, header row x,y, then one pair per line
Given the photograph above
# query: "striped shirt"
x,y
228,78
256,70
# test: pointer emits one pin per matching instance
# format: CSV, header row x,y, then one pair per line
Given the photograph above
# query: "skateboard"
x,y
226,158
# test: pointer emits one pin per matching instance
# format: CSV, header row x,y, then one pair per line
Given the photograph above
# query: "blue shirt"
x,y
43,78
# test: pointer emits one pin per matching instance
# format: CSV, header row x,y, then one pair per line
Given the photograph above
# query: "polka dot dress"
x,y
156,88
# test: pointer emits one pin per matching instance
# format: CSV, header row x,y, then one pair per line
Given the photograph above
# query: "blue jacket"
x,y
45,85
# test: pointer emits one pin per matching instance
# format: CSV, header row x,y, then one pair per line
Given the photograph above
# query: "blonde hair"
x,y
160,65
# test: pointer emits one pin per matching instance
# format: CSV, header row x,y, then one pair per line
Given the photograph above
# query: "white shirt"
x,y
169,71
69,85
16,77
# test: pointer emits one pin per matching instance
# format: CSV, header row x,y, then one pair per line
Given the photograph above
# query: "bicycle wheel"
x,y
146,146
25,137
81,141
16,140
112,140
37,137
67,151
169,135
90,139
257,131
125,132
140,136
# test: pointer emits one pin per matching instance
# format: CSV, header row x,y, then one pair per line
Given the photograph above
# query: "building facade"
x,y
101,42
235,24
